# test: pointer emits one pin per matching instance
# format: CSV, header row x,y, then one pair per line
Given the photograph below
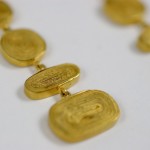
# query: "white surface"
x,y
77,32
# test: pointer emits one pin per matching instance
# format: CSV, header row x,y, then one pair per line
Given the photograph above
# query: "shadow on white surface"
x,y
32,70
21,95
5,63
122,118
45,129
133,48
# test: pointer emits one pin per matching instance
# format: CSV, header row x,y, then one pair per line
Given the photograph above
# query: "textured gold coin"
x,y
47,82
83,115
5,15
124,11
22,47
143,42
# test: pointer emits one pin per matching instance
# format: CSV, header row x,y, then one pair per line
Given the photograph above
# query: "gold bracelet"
x,y
129,12
77,116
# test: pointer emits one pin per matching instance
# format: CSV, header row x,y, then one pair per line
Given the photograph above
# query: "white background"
x,y
76,31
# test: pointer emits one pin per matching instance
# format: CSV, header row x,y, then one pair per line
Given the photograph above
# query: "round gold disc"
x,y
5,15
144,40
124,11
22,47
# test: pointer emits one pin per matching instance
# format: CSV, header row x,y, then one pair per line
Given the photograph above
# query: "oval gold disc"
x,y
83,115
48,81
124,11
5,15
143,42
22,47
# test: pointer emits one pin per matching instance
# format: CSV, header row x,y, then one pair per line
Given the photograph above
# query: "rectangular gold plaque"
x,y
83,115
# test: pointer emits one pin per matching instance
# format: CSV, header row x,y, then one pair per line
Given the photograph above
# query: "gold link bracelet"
x,y
77,116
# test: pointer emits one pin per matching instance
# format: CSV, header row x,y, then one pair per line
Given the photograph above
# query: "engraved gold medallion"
x,y
22,47
83,115
47,82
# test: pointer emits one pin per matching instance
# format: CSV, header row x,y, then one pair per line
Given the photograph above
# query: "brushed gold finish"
x,y
76,117
124,11
5,15
22,47
49,81
83,115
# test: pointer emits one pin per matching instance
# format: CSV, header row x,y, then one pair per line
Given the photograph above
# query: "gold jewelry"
x,y
128,12
76,117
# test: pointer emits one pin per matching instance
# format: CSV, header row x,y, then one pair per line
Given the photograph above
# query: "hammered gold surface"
x,y
5,15
124,11
144,40
83,115
22,47
47,82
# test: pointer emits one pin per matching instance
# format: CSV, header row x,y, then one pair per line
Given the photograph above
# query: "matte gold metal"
x,y
48,81
83,115
5,15
22,47
76,117
144,40
124,11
